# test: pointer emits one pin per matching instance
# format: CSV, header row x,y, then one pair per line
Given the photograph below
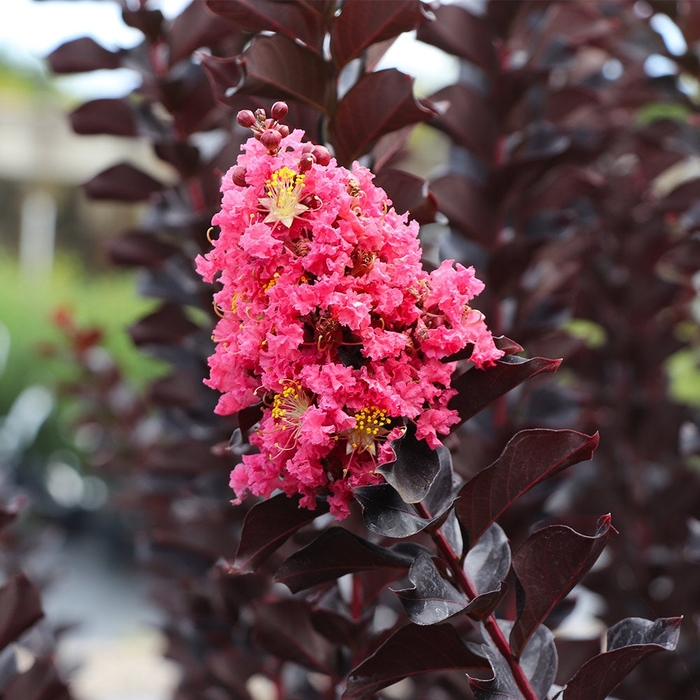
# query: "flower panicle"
x,y
325,307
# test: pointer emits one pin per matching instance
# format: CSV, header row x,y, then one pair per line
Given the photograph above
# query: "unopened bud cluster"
x,y
328,319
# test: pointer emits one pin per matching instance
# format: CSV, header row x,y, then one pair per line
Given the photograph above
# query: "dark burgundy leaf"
x,y
225,76
469,120
248,417
548,565
410,651
629,641
376,105
386,514
20,608
182,156
457,31
276,67
195,27
304,21
268,525
334,553
466,206
539,663
416,465
365,22
104,117
487,565
148,22
139,248
477,388
339,628
123,182
530,457
408,193
168,324
82,55
40,682
432,599
284,628
509,347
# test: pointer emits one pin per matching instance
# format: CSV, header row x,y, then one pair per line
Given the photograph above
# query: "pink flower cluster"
x,y
329,320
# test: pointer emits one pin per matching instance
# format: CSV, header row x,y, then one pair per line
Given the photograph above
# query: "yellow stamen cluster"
x,y
289,406
370,425
267,287
283,190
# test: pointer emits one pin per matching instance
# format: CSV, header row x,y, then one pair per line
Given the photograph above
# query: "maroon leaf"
x,y
123,182
139,248
298,21
416,465
104,117
548,565
336,552
268,525
20,608
469,120
167,325
365,22
477,388
40,682
148,22
539,663
225,76
386,514
431,599
284,628
459,32
195,27
530,457
629,641
82,55
466,206
377,104
487,565
408,193
275,67
412,650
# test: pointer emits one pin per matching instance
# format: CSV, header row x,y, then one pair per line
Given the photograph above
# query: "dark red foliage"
x,y
561,191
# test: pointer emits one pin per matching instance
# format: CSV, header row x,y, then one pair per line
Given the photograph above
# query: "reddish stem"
x,y
490,624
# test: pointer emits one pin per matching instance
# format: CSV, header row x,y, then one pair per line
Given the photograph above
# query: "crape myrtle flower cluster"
x,y
328,319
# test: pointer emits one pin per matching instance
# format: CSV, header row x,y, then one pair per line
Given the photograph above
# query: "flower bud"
x,y
279,110
238,176
245,118
271,140
270,123
283,129
260,114
306,163
322,155
307,147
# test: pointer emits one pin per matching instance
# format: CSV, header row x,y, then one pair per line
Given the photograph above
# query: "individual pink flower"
x,y
329,319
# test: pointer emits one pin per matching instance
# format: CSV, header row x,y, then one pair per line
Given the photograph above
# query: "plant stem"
x,y
490,624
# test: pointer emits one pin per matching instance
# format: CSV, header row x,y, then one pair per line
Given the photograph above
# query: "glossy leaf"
x,y
365,22
20,608
538,662
302,21
386,514
408,193
530,457
477,388
166,325
284,628
276,67
432,599
123,182
548,565
336,552
410,651
82,55
467,207
377,104
105,116
268,525
629,641
416,465
487,565
458,32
